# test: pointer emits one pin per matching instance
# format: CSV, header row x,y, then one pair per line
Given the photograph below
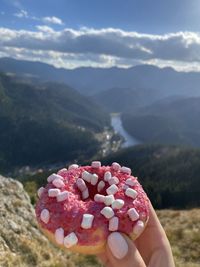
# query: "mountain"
x,y
93,80
46,123
169,174
126,99
174,121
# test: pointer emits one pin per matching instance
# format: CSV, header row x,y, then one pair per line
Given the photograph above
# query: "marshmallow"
x,y
62,196
131,193
59,236
85,194
118,204
87,221
108,200
62,170
126,170
72,167
116,166
113,224
100,186
81,184
96,164
53,192
130,182
70,240
138,228
40,191
107,176
53,177
111,190
133,214
113,180
58,183
99,198
86,176
44,216
94,179
107,212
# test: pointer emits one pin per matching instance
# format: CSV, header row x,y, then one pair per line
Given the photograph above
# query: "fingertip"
x,y
117,245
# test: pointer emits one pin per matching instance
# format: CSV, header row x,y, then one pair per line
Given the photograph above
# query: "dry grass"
x,y
183,231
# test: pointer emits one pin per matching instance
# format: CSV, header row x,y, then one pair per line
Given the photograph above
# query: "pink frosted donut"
x,y
81,206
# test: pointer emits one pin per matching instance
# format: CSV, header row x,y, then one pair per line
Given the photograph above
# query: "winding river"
x,y
116,123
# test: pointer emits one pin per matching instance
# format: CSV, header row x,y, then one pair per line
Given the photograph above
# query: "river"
x,y
116,123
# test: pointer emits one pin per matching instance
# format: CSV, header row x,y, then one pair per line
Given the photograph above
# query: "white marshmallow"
x,y
70,240
53,192
53,177
138,228
113,180
108,200
111,190
87,221
40,191
85,194
44,216
126,170
58,183
81,184
113,224
94,179
107,212
59,236
62,170
86,176
73,166
118,204
130,182
100,186
133,214
62,196
116,166
99,198
96,164
107,176
131,193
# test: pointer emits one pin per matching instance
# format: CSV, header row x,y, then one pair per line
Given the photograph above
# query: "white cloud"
x,y
52,20
21,14
102,47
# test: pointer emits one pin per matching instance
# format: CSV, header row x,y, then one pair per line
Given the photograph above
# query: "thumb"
x,y
121,251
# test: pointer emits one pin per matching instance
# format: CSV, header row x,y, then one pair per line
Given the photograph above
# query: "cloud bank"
x,y
101,47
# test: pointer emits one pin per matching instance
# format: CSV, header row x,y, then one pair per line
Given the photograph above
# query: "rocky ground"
x,y
22,244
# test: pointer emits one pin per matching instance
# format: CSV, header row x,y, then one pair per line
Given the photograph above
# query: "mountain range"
x,y
90,81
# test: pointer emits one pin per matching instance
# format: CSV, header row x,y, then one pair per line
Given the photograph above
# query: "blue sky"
x,y
102,33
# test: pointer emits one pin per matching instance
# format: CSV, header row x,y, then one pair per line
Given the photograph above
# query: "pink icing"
x,y
68,214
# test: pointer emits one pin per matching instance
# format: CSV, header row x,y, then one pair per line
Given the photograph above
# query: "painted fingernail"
x,y
117,245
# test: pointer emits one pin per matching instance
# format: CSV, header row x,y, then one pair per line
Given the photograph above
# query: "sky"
x,y
102,33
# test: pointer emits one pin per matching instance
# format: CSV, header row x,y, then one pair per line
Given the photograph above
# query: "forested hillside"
x,y
45,123
167,121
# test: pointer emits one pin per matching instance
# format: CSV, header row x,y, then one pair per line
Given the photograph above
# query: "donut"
x,y
80,206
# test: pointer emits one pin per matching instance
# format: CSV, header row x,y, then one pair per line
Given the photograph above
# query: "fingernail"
x,y
117,245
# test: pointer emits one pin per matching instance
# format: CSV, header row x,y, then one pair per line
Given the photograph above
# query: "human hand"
x,y
151,249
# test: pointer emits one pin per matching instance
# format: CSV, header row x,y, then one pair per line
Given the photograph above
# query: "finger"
x,y
121,251
104,259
